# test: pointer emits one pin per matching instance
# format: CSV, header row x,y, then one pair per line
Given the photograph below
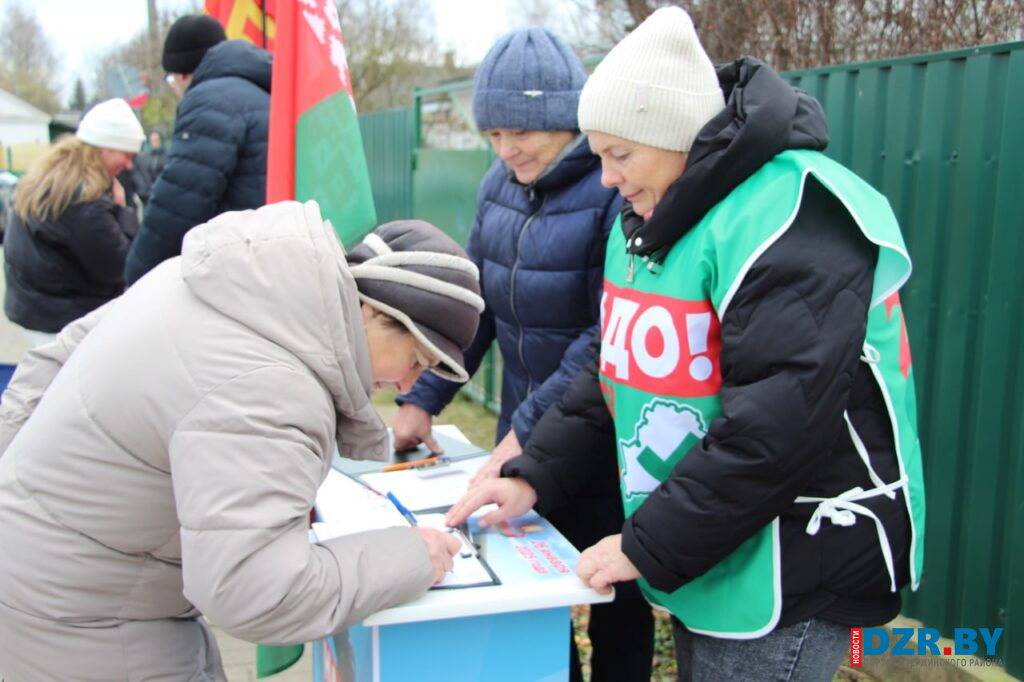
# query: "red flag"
x,y
316,149
255,21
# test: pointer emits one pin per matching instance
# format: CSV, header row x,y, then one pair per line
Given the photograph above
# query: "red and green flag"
x,y
316,149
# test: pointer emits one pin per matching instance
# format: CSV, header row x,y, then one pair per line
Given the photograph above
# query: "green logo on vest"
x,y
665,433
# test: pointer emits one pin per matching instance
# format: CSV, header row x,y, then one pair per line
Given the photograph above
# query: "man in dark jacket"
x,y
218,158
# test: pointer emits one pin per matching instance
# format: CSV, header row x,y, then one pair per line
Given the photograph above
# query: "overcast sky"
x,y
82,31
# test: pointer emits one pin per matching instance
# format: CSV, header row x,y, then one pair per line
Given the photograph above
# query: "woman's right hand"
x,y
442,548
514,497
412,426
118,191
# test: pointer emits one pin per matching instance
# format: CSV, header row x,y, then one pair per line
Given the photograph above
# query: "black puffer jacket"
x,y
58,270
791,344
218,158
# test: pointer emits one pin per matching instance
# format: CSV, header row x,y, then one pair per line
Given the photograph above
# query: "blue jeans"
x,y
808,651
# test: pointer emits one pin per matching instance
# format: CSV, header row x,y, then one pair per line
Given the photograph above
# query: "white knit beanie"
x,y
656,87
112,125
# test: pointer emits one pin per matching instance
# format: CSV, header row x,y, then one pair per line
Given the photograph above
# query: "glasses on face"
x,y
169,79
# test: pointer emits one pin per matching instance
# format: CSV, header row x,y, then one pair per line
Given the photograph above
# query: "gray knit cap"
x,y
420,276
529,80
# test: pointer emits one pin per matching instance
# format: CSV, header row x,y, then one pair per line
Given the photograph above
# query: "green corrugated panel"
x,y
940,135
445,185
388,140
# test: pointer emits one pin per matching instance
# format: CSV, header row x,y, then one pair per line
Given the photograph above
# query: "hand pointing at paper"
x,y
514,497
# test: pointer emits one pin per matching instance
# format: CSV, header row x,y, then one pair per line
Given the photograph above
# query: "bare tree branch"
x,y
29,65
796,34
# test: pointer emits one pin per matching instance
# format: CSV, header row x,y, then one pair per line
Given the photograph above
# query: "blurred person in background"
x,y
71,226
159,461
538,238
148,165
217,159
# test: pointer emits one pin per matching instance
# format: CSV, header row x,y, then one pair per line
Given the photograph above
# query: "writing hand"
x,y
442,548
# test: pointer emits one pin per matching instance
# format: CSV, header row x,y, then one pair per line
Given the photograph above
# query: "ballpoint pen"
x,y
402,510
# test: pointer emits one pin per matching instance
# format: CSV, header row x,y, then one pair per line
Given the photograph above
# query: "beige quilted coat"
x,y
160,460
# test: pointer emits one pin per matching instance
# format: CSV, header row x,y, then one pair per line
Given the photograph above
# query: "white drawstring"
x,y
842,510
871,355
862,452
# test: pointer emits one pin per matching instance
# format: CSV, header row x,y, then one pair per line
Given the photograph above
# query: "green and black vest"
x,y
660,373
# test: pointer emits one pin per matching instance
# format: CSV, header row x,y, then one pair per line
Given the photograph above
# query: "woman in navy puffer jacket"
x,y
538,238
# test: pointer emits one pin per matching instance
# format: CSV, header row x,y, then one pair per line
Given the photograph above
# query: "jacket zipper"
x,y
512,289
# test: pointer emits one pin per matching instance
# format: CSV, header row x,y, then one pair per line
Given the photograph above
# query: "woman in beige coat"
x,y
159,460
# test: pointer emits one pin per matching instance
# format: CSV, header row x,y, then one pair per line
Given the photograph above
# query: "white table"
x,y
516,631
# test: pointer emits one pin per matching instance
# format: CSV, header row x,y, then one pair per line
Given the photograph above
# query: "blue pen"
x,y
402,510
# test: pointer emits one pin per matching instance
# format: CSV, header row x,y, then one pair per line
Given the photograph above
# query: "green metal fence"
x,y
389,138
940,135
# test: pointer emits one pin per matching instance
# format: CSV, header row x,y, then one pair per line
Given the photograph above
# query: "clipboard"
x,y
468,571
354,507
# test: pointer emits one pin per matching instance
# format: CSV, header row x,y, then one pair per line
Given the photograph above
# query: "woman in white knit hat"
x,y
69,234
754,365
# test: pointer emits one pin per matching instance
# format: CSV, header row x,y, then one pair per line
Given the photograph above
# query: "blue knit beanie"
x,y
529,80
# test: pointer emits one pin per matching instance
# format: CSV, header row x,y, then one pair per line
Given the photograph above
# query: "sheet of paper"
x,y
468,568
418,492
347,506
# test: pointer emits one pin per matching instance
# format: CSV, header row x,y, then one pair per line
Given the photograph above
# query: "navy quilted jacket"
x,y
218,158
540,250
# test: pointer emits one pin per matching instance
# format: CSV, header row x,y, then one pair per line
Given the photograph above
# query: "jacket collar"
x,y
235,58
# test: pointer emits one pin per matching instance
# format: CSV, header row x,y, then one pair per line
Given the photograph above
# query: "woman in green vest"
x,y
753,382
